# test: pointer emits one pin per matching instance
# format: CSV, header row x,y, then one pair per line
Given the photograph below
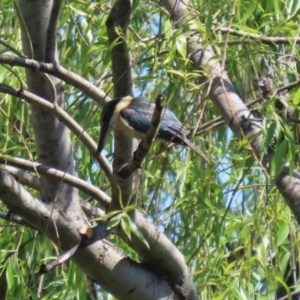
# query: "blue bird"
x,y
132,116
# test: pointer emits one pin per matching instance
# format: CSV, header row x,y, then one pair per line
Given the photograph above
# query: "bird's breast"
x,y
120,124
128,130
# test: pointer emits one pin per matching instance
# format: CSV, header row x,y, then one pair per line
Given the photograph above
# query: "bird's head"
x,y
107,117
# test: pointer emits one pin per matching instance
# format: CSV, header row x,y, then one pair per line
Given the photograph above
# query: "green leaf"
x,y
79,12
249,263
180,42
293,7
113,222
284,261
178,73
261,255
249,12
269,135
125,224
296,98
200,26
278,160
108,215
282,233
168,29
137,232
131,207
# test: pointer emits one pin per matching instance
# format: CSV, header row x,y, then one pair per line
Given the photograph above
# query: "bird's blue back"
x,y
139,112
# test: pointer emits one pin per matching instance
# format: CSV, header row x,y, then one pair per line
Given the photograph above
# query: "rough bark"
x,y
101,261
53,143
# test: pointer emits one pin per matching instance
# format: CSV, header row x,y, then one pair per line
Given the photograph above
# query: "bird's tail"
x,y
193,147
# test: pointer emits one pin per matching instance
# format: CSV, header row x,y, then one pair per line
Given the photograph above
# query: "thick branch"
x,y
119,18
34,182
82,185
52,137
38,214
60,72
51,51
101,261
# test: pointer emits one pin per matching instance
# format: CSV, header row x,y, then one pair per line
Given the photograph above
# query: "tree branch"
x,y
33,182
38,214
101,261
52,137
60,72
82,185
51,51
119,18
64,118
269,40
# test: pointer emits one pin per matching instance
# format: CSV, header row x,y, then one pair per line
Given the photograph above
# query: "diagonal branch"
x,y
82,185
101,261
60,72
63,117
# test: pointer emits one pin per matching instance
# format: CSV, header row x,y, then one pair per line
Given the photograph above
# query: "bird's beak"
x,y
103,134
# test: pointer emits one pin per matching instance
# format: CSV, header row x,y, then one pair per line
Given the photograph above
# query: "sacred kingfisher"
x,y
132,116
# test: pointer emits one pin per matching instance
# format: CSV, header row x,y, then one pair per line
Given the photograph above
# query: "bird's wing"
x,y
139,114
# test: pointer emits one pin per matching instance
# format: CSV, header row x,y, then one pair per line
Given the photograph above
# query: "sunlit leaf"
x,y
114,221
296,98
136,231
125,224
278,159
282,233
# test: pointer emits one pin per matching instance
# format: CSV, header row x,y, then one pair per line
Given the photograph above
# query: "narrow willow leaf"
x,y
113,222
249,12
269,135
296,98
137,232
125,224
180,42
282,234
278,160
